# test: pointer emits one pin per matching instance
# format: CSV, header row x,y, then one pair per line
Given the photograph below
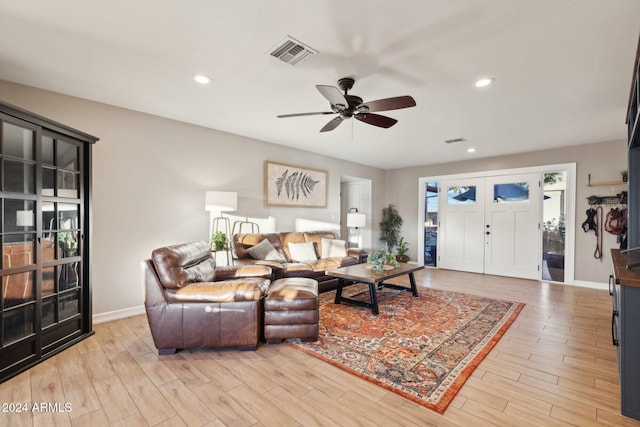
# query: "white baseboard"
x,y
118,314
593,285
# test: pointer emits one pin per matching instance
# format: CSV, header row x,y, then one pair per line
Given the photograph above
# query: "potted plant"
x,y
390,227
379,259
67,239
219,241
401,251
625,175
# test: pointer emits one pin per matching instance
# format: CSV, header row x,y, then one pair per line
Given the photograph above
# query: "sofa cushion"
x,y
180,265
265,251
333,248
297,269
301,252
224,291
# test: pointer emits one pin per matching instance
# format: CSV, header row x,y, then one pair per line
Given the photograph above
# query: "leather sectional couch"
x,y
283,262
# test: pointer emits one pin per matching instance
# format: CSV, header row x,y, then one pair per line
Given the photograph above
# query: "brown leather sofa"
x,y
192,303
287,267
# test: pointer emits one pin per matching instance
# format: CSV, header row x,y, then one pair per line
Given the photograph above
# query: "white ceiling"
x,y
562,68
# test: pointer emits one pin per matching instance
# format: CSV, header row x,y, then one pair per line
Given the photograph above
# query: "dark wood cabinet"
x,y
45,217
624,287
625,284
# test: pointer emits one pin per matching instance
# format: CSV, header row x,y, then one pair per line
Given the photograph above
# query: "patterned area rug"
x,y
422,348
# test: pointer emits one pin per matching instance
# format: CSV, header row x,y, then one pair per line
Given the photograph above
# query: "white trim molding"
x,y
592,285
117,314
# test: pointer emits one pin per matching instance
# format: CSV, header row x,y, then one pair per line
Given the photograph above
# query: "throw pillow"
x,y
302,252
265,251
333,248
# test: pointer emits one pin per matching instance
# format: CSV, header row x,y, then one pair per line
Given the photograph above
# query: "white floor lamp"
x,y
355,220
221,201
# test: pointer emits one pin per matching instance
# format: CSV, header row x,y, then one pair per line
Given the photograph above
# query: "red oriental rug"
x,y
421,348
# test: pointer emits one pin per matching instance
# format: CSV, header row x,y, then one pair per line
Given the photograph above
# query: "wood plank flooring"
x,y
555,366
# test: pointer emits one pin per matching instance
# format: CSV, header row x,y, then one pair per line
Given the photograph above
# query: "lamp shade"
x,y
356,219
221,201
24,218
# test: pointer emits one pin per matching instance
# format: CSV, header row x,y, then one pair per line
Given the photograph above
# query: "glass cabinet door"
x,y
61,218
18,299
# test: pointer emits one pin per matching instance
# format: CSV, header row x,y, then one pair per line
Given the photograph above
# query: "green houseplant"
x,y
378,259
390,227
401,251
219,241
67,239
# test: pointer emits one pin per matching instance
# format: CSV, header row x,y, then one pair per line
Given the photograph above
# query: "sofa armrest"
x,y
152,289
242,271
360,254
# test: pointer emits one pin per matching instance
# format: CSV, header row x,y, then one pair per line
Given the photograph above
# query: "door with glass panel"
x,y
512,212
491,225
461,238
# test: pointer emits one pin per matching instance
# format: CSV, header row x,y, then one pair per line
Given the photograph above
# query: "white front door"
x,y
512,215
490,225
461,239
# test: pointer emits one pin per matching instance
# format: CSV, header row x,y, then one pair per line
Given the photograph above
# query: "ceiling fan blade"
x,y
332,124
389,104
376,120
305,114
333,95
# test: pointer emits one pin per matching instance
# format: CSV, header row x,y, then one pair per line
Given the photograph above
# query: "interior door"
x,y
461,228
512,214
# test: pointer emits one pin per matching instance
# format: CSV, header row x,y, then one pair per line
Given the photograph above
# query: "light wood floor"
x,y
554,366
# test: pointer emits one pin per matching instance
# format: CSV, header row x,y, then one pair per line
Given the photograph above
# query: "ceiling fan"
x,y
347,106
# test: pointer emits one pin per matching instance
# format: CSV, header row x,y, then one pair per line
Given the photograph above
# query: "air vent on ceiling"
x,y
292,51
451,141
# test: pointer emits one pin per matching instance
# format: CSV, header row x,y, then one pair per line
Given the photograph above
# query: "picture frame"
x,y
294,186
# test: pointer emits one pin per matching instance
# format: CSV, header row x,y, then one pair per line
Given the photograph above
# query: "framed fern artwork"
x,y
294,186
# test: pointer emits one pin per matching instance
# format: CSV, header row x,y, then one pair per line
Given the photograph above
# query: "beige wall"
x,y
150,175
603,161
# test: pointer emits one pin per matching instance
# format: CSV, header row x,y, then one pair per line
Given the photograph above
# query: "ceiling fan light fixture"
x,y
348,106
484,82
202,79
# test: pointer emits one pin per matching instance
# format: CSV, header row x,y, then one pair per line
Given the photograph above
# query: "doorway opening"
x,y
431,224
554,234
355,196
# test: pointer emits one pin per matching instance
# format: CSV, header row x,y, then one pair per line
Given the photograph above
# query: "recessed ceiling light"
x,y
202,79
471,150
484,82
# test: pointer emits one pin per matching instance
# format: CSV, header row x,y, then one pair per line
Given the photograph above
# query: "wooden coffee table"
x,y
375,279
